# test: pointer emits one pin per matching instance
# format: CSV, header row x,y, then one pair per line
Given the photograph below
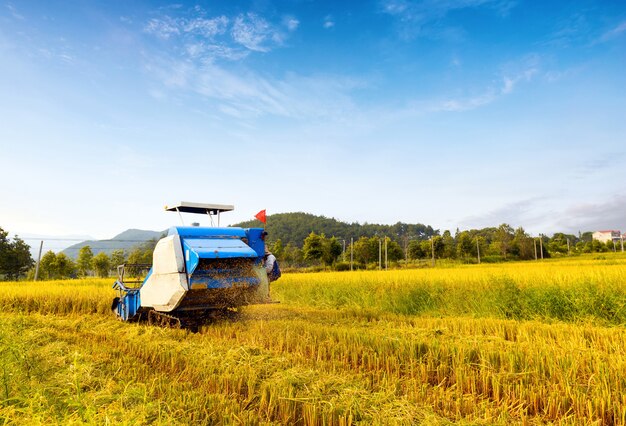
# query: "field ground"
x,y
519,343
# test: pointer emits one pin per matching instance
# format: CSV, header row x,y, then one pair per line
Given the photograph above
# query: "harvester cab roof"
x,y
200,208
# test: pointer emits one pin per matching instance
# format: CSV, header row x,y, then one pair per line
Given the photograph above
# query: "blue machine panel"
x,y
255,241
203,232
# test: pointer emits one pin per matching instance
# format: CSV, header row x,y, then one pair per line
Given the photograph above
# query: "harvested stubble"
x,y
299,362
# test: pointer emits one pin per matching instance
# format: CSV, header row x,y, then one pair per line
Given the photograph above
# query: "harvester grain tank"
x,y
196,272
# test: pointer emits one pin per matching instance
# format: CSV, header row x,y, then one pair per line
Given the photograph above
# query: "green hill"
x,y
295,227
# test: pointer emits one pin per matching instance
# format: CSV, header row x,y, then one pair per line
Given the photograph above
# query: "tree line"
x,y
16,261
60,266
493,244
409,244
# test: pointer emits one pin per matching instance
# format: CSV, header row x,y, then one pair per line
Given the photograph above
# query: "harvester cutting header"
x,y
196,272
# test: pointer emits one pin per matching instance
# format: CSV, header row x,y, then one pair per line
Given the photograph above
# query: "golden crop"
x,y
519,343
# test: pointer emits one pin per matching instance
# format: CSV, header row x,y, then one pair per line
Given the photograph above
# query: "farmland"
x,y
524,343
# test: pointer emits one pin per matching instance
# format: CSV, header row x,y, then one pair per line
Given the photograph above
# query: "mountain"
x,y
295,227
127,240
56,243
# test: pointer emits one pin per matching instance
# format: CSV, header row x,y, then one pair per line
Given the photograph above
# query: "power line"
x,y
91,247
83,240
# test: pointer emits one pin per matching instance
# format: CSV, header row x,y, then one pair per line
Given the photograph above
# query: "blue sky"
x,y
465,113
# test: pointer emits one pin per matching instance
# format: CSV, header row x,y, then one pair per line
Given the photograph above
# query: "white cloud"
x,y
513,74
291,23
328,22
208,52
166,26
208,28
522,213
509,82
489,95
207,39
519,71
254,32
250,95
615,32
573,29
415,15
163,28
14,12
608,214
466,104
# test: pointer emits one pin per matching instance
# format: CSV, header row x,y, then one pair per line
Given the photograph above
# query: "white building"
x,y
604,236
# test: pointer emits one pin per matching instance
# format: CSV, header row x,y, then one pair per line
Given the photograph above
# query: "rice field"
x,y
518,343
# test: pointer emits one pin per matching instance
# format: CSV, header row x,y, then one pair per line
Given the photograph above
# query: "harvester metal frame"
x,y
200,208
197,273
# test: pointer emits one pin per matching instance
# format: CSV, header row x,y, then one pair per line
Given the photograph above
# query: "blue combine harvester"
x,y
196,274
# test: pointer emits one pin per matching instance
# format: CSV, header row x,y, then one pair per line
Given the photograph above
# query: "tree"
x,y
366,250
102,264
394,251
5,250
331,250
141,257
15,257
437,243
598,247
64,267
83,261
449,245
278,249
415,250
118,257
56,266
293,255
504,236
523,245
426,247
47,265
465,246
313,247
21,259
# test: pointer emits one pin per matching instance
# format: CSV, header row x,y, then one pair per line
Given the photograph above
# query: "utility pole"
x,y
38,260
385,253
343,254
535,243
568,252
380,255
432,247
478,250
541,244
351,251
621,238
406,249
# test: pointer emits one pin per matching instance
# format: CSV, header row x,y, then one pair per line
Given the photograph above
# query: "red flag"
x,y
261,216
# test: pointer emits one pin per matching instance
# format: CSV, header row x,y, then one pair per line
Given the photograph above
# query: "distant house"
x,y
604,236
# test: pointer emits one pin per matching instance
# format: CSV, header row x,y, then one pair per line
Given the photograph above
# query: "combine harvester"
x,y
197,273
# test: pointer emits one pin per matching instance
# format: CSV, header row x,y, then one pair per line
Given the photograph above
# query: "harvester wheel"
x,y
163,320
114,305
